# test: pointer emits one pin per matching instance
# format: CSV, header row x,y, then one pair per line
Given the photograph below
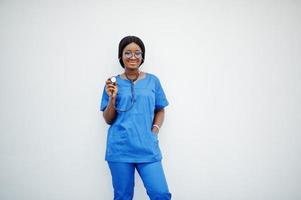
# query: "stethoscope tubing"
x,y
133,100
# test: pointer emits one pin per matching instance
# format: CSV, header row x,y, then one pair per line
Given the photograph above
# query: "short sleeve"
x,y
104,100
161,100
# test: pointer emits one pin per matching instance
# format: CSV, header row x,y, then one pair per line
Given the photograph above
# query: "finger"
x,y
110,92
112,87
109,82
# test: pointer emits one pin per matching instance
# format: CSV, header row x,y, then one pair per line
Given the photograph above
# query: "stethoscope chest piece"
x,y
113,79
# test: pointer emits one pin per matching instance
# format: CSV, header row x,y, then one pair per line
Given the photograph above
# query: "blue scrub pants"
x,y
152,175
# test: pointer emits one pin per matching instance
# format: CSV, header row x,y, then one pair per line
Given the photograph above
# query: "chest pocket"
x,y
124,98
145,100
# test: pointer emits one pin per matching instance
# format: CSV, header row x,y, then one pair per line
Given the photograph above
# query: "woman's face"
x,y
132,56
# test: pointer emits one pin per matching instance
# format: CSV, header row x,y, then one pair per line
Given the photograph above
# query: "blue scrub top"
x,y
130,138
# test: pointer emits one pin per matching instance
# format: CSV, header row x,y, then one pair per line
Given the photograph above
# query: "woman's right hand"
x,y
111,88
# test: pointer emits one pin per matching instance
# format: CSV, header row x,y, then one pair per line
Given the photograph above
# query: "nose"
x,y
133,56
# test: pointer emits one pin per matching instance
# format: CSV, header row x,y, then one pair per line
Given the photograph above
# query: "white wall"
x,y
231,71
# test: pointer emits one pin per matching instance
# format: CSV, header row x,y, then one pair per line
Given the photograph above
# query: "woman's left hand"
x,y
155,130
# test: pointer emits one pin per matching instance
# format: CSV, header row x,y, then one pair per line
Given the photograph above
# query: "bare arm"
x,y
158,119
110,113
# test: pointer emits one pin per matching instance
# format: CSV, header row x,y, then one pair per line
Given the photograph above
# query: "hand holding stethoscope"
x,y
111,87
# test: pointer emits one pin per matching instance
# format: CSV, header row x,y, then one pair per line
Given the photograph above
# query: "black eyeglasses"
x,y
129,54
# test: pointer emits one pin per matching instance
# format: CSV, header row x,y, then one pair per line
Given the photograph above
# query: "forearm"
x,y
109,113
158,119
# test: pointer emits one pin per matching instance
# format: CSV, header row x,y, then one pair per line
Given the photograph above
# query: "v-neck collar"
x,y
135,82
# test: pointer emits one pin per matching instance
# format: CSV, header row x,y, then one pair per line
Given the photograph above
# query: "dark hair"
x,y
127,40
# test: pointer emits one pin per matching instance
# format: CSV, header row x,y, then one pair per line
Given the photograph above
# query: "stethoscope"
x,y
133,97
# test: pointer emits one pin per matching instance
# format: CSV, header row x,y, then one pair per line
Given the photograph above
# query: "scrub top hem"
x,y
133,160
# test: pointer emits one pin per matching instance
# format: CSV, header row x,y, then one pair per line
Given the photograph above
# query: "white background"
x,y
231,71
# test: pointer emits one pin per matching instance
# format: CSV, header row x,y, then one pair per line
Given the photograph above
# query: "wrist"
x,y
112,100
155,128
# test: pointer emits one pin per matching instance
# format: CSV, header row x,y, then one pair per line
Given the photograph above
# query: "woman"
x,y
134,108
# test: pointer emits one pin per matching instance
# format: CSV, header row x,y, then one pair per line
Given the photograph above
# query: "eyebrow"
x,y
134,50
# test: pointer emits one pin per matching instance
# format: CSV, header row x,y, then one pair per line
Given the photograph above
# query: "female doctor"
x,y
133,105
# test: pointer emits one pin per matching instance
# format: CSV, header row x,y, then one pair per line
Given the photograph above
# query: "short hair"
x,y
127,40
